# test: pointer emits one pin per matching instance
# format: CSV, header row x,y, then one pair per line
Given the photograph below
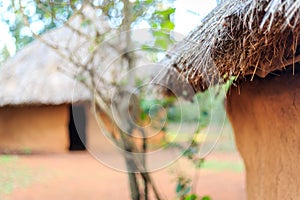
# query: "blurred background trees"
x,y
44,15
103,43
92,35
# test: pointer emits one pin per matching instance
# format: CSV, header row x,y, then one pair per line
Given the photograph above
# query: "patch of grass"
x,y
5,159
12,175
223,166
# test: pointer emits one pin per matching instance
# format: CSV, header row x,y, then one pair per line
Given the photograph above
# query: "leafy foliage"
x,y
35,17
184,188
42,16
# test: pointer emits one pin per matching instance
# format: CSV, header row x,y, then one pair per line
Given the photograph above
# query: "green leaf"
x,y
86,22
91,48
161,43
206,198
191,197
159,33
148,1
165,13
178,188
146,47
155,25
168,25
80,78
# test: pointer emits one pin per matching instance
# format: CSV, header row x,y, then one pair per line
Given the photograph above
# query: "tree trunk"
x,y
133,184
265,115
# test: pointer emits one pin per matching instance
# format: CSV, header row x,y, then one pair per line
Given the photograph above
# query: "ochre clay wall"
x,y
265,115
30,129
98,142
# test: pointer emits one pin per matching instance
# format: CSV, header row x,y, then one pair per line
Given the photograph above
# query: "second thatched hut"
x,y
255,44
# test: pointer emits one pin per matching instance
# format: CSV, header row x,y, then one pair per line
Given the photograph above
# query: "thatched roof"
x,y
37,74
32,76
238,38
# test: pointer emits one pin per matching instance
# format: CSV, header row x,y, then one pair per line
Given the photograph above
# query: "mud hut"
x,y
42,107
255,44
43,110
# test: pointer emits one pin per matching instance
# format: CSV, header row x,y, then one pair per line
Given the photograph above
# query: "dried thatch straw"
x,y
238,38
32,76
39,75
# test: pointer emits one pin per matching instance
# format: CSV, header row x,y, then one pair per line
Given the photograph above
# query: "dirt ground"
x,y
77,176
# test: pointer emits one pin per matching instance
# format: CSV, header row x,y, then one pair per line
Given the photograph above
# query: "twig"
x,y
291,61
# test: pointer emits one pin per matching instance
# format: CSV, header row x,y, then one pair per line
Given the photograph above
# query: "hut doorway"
x,y
77,127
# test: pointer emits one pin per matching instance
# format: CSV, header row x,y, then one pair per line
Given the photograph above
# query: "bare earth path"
x,y
78,176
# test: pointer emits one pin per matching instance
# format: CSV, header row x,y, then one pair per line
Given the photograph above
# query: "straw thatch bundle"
x,y
37,74
32,76
238,38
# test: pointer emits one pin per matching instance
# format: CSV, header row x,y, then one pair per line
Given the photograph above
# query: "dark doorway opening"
x,y
77,127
